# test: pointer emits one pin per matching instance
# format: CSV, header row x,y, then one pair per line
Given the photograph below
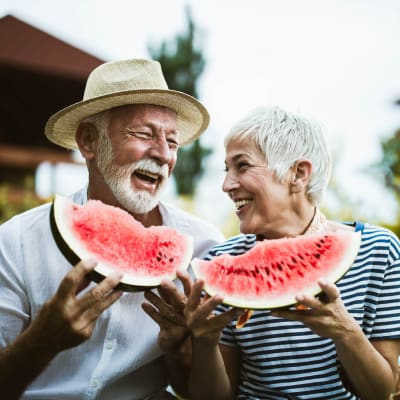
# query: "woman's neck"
x,y
310,220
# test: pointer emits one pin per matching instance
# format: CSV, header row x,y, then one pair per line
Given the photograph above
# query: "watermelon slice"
x,y
118,241
273,272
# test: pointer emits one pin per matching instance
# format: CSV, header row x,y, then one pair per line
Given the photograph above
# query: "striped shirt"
x,y
282,356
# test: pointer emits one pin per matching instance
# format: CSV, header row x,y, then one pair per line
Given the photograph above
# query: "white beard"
x,y
118,179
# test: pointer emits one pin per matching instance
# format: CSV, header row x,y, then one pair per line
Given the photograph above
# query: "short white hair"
x,y
285,138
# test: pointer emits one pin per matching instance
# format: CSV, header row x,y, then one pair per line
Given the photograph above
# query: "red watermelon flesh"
x,y
273,272
118,241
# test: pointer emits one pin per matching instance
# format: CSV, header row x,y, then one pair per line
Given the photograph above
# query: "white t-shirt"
x,y
121,360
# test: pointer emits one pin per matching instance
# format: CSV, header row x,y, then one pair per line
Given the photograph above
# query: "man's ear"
x,y
86,137
301,175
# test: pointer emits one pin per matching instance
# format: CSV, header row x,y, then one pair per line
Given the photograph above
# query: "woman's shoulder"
x,y
235,245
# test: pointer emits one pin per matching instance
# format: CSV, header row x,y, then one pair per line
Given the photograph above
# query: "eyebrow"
x,y
237,157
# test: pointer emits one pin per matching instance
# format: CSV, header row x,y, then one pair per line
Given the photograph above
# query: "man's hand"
x,y
65,320
69,317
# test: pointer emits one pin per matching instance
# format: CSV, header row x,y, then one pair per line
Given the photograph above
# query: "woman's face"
x,y
262,202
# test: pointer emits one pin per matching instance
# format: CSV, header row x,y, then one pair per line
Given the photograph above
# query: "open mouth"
x,y
148,176
242,203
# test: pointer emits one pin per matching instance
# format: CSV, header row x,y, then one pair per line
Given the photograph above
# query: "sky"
x,y
336,61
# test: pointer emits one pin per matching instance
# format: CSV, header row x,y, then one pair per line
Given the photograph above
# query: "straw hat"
x,y
126,82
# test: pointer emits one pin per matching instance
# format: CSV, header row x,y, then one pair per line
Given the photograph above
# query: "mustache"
x,y
151,166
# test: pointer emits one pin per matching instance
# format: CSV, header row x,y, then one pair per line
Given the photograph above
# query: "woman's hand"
x,y
166,310
200,318
326,315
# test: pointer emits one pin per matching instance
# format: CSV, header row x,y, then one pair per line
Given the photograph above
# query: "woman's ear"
x,y
301,175
86,137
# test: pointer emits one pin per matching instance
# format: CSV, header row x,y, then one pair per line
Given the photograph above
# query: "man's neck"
x,y
152,218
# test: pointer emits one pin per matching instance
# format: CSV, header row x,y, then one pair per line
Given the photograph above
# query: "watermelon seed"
x,y
317,255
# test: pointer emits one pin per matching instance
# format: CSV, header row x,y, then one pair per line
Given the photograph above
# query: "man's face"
x,y
138,154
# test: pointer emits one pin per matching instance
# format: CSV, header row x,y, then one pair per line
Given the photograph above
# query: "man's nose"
x,y
161,151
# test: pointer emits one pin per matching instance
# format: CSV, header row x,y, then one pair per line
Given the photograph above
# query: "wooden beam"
x,y
22,157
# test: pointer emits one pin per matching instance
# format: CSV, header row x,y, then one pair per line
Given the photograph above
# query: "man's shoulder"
x,y
29,216
26,226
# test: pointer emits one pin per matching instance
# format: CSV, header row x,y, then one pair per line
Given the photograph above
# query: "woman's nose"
x,y
230,182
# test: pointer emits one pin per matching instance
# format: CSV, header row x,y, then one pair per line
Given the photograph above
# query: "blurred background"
x,y
336,61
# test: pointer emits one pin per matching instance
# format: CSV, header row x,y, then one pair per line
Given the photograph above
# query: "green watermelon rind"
x,y
74,252
271,302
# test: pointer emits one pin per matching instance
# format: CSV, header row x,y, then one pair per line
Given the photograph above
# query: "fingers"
x,y
195,295
330,291
172,295
165,311
76,279
102,295
187,282
152,313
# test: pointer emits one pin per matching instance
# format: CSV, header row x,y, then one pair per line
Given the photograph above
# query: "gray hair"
x,y
100,121
285,138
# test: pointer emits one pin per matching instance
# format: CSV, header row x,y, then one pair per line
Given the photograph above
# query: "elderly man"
x,y
62,337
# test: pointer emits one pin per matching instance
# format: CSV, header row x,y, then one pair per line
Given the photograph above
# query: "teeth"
x,y
147,173
241,203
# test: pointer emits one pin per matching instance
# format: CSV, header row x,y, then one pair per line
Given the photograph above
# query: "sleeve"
x,y
206,237
386,324
14,305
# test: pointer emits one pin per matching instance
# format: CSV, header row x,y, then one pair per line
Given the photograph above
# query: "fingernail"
x,y
90,262
116,274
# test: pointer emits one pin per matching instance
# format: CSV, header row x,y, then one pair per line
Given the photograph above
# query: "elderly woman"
x,y
342,345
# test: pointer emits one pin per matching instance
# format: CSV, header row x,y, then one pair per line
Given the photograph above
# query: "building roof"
x,y
39,75
27,47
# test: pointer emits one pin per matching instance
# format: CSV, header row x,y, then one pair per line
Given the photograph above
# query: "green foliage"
x,y
390,162
183,63
389,167
12,202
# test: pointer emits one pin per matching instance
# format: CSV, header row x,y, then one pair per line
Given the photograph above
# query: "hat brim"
x,y
192,116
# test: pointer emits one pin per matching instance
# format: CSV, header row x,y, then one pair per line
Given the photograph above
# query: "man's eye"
x,y
173,145
142,135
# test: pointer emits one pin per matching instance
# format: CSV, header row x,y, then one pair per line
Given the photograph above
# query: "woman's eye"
x,y
242,165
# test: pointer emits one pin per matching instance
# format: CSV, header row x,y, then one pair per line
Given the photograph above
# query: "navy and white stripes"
x,y
281,355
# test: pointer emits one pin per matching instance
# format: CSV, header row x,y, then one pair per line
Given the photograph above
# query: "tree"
x,y
183,63
389,167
